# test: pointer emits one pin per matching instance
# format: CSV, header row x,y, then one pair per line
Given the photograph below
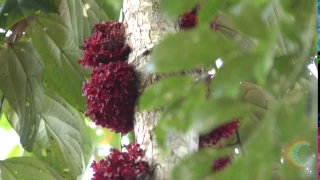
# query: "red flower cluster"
x,y
213,137
107,44
121,165
111,95
221,163
111,92
189,19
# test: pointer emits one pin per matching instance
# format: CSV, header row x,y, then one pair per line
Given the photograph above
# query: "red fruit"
x,y
189,19
107,44
121,165
221,163
111,96
213,137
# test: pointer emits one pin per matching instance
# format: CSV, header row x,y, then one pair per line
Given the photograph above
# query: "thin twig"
x,y
239,141
1,104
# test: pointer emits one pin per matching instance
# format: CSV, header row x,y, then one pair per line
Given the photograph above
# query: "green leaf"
x,y
21,83
79,16
26,168
179,114
198,47
273,18
62,141
245,67
242,18
209,10
86,138
13,11
54,42
61,137
197,165
112,9
165,92
261,102
175,8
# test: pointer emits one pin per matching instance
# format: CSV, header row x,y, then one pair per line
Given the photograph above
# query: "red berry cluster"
x,y
111,92
121,165
111,96
188,19
213,137
107,44
221,163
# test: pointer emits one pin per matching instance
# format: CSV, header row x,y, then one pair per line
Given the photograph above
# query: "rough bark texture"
x,y
145,27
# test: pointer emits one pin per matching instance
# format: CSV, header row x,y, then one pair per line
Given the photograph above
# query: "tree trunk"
x,y
145,26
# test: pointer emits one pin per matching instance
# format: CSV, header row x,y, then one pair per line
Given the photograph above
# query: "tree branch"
x,y
1,103
239,141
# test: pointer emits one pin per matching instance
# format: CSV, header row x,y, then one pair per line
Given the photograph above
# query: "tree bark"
x,y
145,27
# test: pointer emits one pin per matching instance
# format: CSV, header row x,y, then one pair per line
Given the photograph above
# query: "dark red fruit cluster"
x,y
121,165
221,163
107,44
111,92
188,19
111,95
213,137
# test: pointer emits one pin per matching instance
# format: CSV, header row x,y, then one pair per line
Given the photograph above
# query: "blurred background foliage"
x,y
267,49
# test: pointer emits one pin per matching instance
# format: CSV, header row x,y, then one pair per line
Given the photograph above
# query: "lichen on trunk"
x,y
145,27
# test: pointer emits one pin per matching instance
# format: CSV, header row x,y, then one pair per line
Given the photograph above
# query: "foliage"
x,y
41,82
265,48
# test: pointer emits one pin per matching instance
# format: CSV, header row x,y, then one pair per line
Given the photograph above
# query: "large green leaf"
x,y
62,140
209,10
55,44
21,83
26,168
261,102
242,18
86,144
13,11
189,49
79,16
